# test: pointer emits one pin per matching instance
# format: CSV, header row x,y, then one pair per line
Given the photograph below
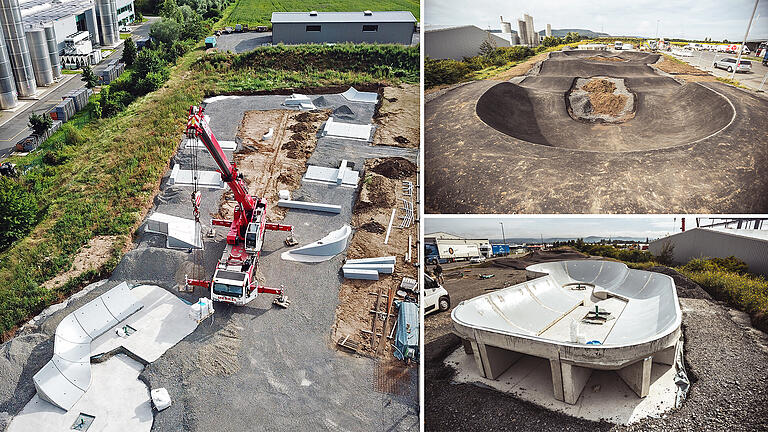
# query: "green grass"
x,y
113,166
729,81
258,12
71,71
125,35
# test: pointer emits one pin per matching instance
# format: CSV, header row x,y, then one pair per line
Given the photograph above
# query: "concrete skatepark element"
x,y
667,114
322,250
209,179
332,175
353,131
66,378
600,171
357,96
180,233
299,101
117,399
581,316
303,205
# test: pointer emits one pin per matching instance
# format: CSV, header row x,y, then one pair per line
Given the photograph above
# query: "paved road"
x,y
16,128
705,59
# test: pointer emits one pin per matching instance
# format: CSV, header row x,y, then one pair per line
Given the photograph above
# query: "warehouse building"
x,y
451,247
459,42
37,34
395,27
750,245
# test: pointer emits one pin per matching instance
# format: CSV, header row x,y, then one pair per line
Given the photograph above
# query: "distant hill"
x,y
583,32
590,239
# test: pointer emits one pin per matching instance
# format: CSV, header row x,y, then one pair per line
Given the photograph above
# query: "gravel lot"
x,y
727,362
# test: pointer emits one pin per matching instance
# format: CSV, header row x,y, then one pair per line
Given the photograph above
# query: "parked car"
x,y
477,259
227,30
238,28
436,298
262,29
730,63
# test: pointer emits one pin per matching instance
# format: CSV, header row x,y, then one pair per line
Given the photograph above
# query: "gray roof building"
x,y
338,27
458,42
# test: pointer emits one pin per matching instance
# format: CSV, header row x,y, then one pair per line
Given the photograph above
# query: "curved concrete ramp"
x,y
66,378
357,96
553,316
322,250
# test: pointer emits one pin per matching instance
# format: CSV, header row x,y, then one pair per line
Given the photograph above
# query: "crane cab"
x,y
254,238
231,287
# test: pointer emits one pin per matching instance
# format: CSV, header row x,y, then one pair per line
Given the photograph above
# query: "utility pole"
x,y
741,48
502,232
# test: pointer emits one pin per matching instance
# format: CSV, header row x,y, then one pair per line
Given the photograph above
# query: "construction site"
x,y
557,340
272,285
624,131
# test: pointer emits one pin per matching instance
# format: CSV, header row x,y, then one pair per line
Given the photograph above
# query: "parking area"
x,y
705,59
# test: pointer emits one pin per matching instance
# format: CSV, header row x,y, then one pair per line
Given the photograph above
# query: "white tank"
x,y
13,31
41,60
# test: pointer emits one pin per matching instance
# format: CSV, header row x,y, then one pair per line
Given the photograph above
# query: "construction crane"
x,y
234,280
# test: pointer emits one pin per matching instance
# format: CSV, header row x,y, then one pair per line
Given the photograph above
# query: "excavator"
x,y
234,279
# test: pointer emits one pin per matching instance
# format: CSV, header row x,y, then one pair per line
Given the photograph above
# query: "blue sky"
x,y
568,226
690,19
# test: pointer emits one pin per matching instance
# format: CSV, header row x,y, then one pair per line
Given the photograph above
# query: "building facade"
x,y
291,28
458,42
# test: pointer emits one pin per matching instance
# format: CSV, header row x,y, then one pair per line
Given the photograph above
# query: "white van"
x,y
436,298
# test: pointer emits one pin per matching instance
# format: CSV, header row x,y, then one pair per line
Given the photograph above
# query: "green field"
x,y
259,12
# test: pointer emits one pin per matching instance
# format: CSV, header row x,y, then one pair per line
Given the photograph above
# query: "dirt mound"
x,y
536,257
599,86
402,140
686,288
301,127
290,145
299,137
395,168
607,103
309,117
373,227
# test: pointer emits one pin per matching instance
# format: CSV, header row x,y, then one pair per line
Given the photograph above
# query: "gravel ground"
x,y
253,365
727,362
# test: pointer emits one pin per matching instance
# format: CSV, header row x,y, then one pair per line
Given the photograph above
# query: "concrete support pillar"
x,y
467,346
667,356
638,376
557,378
496,360
574,380
473,347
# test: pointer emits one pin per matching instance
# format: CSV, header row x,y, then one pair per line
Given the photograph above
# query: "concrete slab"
x,y
160,324
381,268
303,205
357,96
180,233
605,395
353,273
334,128
207,179
330,175
375,260
117,399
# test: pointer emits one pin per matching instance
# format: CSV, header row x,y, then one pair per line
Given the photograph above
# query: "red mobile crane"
x,y
233,280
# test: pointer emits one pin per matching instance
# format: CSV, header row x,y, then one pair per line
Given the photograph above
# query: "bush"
x,y
18,212
166,30
72,135
40,123
129,52
89,78
438,72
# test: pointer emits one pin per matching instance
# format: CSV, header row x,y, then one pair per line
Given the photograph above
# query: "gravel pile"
x,y
601,99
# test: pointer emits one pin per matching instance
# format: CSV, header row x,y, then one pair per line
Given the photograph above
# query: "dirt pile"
x,y
377,192
605,59
605,103
395,168
599,86
373,227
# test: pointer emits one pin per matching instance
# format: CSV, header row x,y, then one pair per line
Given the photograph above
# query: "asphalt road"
x,y
16,128
705,59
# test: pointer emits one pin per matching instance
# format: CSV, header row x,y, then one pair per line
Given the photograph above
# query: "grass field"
x,y
258,12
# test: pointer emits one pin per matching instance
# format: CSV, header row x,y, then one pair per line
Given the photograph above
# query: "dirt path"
x,y
683,70
278,163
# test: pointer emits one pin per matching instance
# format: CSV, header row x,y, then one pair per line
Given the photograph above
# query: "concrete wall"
x,y
129,14
720,243
296,33
63,28
459,42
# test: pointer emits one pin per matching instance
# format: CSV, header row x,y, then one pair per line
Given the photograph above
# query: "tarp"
x,y
407,332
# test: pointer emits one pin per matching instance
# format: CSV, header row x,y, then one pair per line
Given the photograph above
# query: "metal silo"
x,y
38,52
107,10
7,86
53,51
23,74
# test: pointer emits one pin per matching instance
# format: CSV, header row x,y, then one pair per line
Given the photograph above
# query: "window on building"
x,y
80,22
370,28
313,28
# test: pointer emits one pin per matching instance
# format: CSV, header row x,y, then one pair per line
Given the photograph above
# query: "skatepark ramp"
x,y
581,316
67,376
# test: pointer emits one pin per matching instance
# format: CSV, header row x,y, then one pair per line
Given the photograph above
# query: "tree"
x,y
18,212
40,123
150,71
166,30
129,52
667,254
551,41
89,78
487,47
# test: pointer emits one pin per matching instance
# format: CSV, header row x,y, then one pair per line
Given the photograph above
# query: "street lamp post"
x,y
741,47
502,232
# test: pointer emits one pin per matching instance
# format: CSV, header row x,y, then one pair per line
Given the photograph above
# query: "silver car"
x,y
730,63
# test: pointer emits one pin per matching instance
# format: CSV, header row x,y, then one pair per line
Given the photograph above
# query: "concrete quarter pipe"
x,y
581,316
520,146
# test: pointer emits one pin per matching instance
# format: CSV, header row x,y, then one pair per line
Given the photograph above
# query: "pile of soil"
x,y
599,86
377,192
309,117
607,103
402,140
395,168
373,227
605,59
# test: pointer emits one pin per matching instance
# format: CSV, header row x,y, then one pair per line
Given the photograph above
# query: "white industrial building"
x,y
749,245
452,246
381,27
38,35
458,42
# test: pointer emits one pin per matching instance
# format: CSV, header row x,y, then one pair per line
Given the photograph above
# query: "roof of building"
x,y
36,13
753,234
341,17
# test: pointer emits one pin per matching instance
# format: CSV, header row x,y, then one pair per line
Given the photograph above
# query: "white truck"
x,y
453,251
618,45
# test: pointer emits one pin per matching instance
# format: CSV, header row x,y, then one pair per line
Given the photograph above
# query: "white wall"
x,y
459,42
